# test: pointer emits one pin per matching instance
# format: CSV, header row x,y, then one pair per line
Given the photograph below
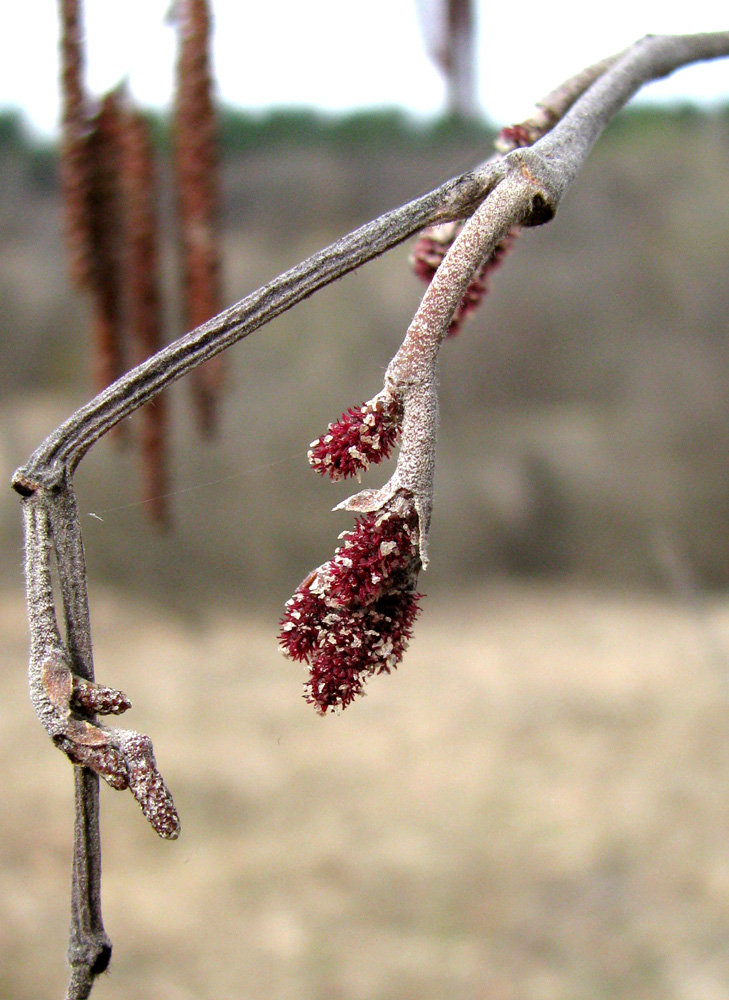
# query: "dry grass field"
x,y
534,806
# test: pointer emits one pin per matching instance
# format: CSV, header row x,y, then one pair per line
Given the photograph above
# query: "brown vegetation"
x,y
196,165
532,807
144,293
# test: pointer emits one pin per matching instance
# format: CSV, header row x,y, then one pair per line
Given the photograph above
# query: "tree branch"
x,y
89,947
524,187
65,447
66,699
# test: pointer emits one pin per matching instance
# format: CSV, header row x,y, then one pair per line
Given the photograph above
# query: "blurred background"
x,y
583,409
534,806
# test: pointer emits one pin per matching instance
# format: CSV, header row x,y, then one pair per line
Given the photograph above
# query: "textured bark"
x,y
551,163
53,527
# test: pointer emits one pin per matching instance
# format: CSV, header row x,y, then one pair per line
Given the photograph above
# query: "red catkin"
x,y
353,617
362,436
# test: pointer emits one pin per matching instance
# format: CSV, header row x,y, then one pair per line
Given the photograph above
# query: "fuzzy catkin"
x,y
74,164
196,163
144,300
106,240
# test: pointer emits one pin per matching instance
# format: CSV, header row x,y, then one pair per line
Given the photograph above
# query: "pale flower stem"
x,y
508,205
411,375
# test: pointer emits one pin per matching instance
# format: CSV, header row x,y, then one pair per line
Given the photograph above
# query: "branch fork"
x,y
65,700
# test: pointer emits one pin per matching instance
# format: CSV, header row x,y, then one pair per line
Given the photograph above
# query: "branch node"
x,y
23,484
542,210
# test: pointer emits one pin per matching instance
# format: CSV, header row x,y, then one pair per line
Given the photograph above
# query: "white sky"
x,y
339,54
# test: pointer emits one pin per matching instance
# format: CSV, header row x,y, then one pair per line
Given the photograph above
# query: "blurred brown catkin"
x,y
108,180
90,164
142,272
106,219
196,164
74,161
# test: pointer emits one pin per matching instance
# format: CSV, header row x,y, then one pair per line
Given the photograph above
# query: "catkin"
x,y
196,164
106,239
74,163
143,298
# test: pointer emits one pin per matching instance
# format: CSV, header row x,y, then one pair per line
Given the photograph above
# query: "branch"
x,y
66,700
67,445
527,193
368,615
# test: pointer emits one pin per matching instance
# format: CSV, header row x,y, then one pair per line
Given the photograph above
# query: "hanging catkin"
x,y
143,299
106,239
108,178
196,163
74,162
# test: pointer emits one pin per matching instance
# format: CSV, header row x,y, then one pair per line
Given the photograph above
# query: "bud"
x,y
362,436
